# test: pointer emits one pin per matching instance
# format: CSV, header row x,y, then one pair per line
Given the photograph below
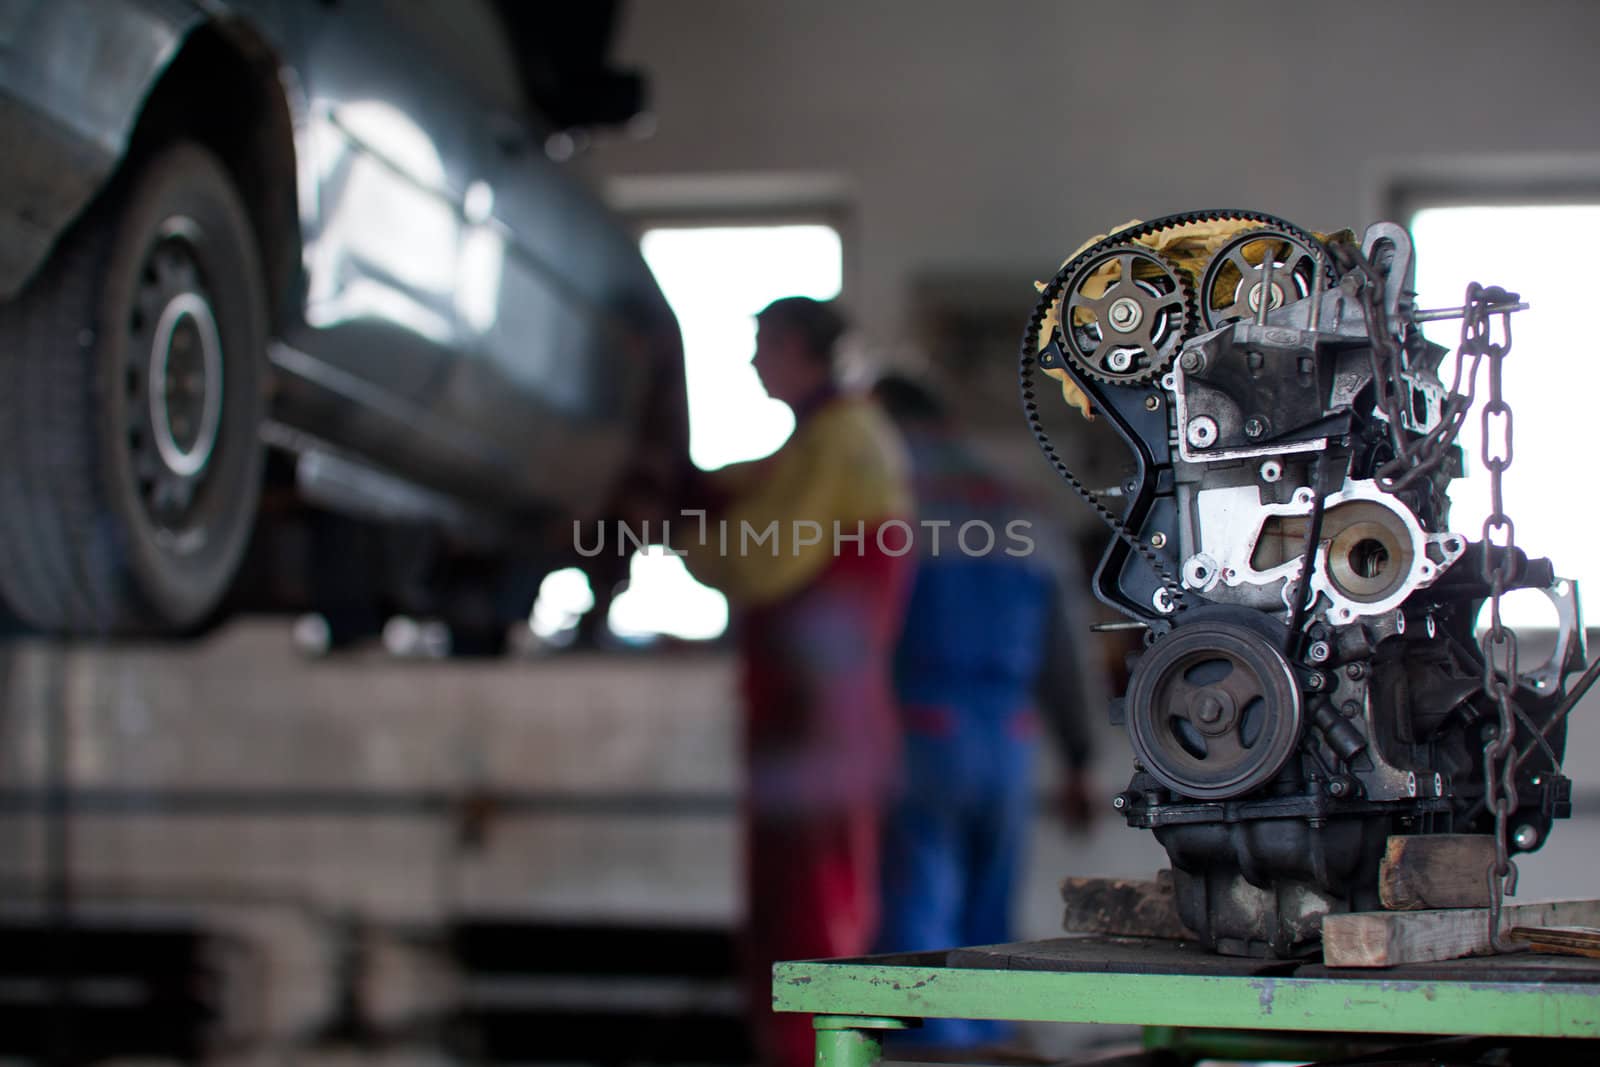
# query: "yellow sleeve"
x,y
844,469
737,479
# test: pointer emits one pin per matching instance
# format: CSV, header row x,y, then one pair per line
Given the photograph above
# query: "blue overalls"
x,y
965,672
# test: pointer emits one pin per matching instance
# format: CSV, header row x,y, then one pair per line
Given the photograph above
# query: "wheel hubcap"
x,y
186,384
173,380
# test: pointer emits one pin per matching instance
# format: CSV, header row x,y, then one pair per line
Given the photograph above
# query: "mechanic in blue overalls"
x,y
989,650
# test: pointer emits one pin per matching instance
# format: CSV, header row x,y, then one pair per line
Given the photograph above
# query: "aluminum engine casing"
x,y
1284,730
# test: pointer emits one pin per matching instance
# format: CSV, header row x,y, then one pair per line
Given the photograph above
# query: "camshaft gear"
x,y
1233,284
1127,312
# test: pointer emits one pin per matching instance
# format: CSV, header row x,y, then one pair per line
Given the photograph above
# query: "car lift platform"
x,y
1163,985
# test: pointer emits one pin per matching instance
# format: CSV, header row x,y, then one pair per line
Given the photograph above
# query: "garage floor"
x,y
300,808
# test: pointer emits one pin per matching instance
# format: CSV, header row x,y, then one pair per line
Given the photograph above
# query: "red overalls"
x,y
821,754
818,624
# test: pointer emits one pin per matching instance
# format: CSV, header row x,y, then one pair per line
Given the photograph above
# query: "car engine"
x,y
1314,677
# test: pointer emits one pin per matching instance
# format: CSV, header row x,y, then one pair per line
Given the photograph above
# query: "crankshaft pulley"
x,y
1214,711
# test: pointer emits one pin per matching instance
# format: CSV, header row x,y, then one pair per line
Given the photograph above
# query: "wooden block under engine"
x,y
1123,907
1427,871
1387,938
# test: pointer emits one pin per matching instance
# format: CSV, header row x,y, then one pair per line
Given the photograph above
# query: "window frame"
x,y
1492,182
1500,181
734,200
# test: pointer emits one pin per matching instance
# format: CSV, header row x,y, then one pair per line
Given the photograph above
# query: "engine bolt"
x,y
1355,672
1119,801
1255,426
1191,362
1319,652
1315,681
1158,540
1525,837
1125,314
1350,709
1202,431
1152,402
1338,787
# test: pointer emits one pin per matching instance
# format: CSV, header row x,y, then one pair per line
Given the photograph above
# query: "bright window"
x,y
1550,375
662,598
716,278
564,596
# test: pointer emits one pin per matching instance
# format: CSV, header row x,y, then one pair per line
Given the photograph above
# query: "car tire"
x,y
131,405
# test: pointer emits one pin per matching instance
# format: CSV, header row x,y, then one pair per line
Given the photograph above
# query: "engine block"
x,y
1313,681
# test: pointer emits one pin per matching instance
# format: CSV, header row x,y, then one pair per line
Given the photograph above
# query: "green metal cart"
x,y
1163,984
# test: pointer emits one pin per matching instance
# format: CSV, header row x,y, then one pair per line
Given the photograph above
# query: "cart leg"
x,y
852,1040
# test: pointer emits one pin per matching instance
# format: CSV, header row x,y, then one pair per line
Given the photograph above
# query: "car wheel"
x,y
130,407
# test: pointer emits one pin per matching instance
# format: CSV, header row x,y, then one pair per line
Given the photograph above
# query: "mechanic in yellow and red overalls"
x,y
819,609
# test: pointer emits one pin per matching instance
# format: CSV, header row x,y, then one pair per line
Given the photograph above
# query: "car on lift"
x,y
319,247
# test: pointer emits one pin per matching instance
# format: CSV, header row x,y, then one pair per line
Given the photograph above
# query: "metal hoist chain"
x,y
1498,642
1415,461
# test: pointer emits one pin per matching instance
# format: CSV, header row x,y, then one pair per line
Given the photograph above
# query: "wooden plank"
x,y
1512,967
1427,871
1123,907
1386,938
1560,940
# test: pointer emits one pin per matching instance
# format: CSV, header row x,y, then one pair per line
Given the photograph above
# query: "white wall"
x,y
994,138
